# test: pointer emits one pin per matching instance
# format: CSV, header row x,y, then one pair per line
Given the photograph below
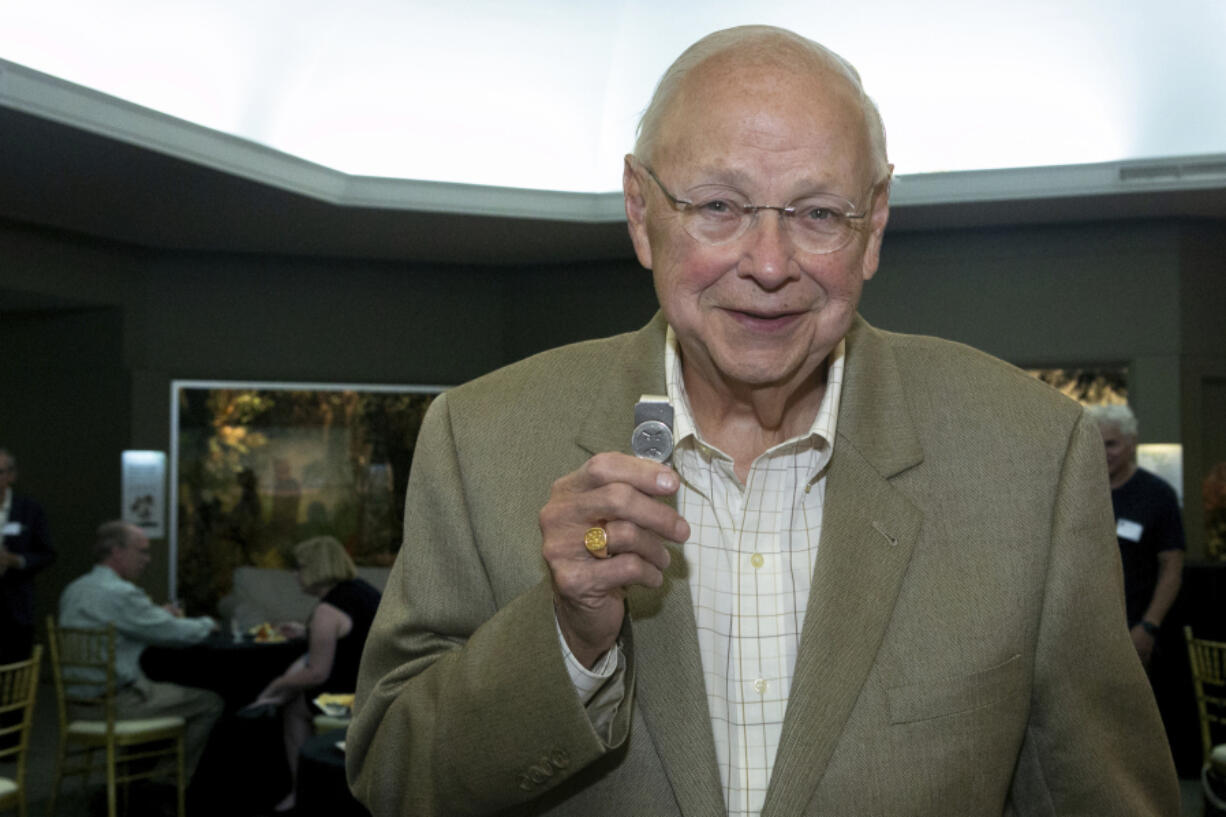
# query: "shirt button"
x,y
757,560
759,685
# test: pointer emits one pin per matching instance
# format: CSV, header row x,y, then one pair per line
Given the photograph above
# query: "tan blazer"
x,y
964,651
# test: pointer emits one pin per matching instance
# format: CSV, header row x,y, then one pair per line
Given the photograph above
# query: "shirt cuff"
x,y
589,681
601,688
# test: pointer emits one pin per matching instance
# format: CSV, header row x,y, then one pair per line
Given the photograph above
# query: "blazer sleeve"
x,y
36,541
1094,743
463,703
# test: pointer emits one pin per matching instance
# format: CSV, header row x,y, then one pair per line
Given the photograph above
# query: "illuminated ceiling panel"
x,y
545,94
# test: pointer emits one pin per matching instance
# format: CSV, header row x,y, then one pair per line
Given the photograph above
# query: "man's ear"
x,y
636,211
877,220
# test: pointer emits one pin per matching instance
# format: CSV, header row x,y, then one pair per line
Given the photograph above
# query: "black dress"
x,y
359,600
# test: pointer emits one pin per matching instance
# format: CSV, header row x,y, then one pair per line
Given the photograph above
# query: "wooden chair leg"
x,y
57,780
182,777
111,804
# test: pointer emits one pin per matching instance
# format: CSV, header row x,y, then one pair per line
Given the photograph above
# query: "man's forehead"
x,y
136,539
722,120
763,83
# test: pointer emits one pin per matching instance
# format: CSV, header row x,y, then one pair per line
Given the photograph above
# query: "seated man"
x,y
107,595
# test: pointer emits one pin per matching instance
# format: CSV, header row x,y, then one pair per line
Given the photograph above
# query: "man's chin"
x,y
766,371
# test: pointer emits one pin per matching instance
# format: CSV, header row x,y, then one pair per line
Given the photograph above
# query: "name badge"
x,y
12,529
1127,529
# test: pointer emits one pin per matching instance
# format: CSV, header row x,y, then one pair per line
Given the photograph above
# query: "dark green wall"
x,y
64,414
1050,297
93,333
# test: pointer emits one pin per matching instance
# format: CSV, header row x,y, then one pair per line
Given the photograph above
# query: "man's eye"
x,y
819,214
715,206
719,210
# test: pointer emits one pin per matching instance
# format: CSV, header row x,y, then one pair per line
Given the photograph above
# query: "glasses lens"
x,y
716,214
815,225
821,223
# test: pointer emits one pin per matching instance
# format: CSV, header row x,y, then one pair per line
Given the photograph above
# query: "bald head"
x,y
734,50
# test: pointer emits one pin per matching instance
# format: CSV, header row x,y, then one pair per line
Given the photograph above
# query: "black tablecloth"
x,y
322,790
243,769
237,671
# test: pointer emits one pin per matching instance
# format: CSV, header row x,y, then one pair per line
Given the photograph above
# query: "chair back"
x,y
18,688
83,668
1208,660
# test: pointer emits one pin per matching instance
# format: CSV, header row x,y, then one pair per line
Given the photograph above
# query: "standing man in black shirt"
x,y
1149,528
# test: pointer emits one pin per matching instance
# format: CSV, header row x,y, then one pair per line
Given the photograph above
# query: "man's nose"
x,y
769,247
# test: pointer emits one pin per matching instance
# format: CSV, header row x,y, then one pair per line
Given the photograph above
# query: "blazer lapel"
x,y
669,687
671,691
638,370
869,529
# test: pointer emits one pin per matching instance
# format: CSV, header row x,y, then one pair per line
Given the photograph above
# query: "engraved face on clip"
x,y
652,440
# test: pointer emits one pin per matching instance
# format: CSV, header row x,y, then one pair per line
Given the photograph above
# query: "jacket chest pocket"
x,y
910,703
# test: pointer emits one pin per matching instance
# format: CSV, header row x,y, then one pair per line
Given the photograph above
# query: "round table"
x,y
322,790
243,770
235,670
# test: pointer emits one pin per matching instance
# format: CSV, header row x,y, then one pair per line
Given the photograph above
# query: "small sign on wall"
x,y
144,491
1165,460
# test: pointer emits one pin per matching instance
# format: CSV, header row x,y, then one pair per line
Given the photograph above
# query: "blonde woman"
x,y
336,632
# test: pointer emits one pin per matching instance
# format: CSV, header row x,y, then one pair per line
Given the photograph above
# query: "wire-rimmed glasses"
x,y
717,214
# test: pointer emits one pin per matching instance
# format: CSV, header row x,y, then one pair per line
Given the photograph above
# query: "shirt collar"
x,y
823,424
107,572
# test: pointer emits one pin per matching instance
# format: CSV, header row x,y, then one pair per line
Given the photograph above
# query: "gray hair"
x,y
112,536
778,45
1116,414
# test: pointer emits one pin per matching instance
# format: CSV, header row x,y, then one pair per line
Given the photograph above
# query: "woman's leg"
x,y
296,722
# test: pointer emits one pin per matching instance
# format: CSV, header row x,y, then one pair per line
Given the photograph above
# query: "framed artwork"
x,y
258,467
1088,385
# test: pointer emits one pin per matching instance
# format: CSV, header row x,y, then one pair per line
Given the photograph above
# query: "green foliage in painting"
x,y
262,469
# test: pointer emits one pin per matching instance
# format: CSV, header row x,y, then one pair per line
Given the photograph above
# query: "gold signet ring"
x,y
596,540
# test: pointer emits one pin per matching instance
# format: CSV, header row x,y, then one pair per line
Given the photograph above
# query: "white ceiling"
x,y
544,94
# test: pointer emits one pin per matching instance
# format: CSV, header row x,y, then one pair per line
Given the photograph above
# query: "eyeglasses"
x,y
716,214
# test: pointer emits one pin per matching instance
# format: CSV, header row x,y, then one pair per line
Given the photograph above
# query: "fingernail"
x,y
667,481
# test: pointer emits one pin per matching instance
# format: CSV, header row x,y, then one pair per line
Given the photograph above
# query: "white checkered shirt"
x,y
750,555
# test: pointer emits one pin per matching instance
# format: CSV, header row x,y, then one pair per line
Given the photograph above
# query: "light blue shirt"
x,y
101,597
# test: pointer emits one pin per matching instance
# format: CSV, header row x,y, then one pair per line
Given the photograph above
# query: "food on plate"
x,y
335,704
266,634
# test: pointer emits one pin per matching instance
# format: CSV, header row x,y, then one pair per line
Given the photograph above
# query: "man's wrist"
x,y
1149,627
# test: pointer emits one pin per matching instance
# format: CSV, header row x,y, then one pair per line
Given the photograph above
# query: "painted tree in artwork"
x,y
260,470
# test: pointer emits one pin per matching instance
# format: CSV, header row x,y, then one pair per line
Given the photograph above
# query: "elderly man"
x,y
108,595
1148,526
865,585
25,549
